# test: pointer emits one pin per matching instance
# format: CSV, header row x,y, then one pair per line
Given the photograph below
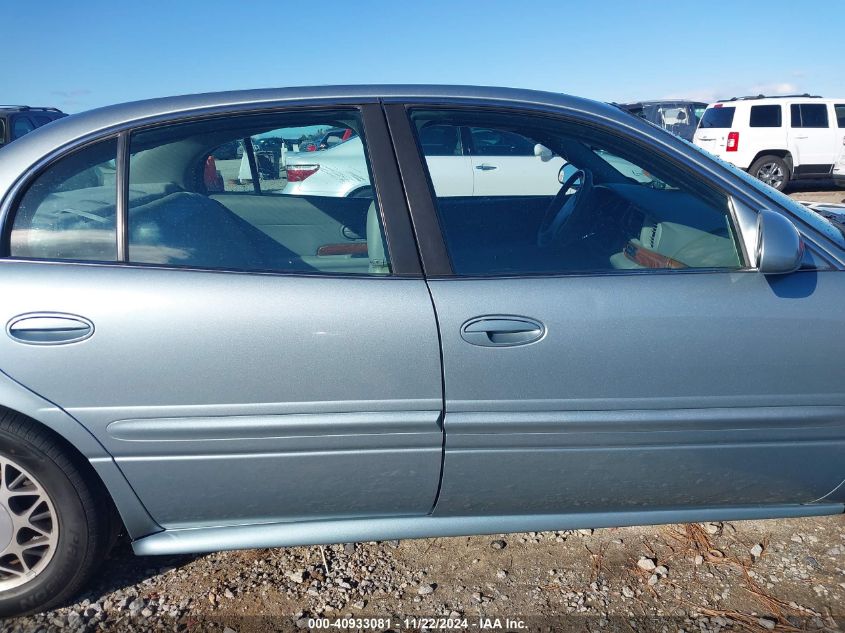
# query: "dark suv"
x,y
17,120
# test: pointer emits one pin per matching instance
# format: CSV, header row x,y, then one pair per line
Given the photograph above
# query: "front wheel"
x,y
53,530
772,170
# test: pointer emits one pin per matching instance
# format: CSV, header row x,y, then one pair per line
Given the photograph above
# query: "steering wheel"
x,y
560,213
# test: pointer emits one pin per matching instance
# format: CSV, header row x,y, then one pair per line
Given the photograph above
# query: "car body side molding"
x,y
212,539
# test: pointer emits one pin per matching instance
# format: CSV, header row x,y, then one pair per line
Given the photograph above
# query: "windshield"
x,y
630,170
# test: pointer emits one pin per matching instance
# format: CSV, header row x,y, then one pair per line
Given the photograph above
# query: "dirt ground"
x,y
816,191
783,575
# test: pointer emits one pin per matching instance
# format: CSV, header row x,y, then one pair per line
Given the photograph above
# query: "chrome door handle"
x,y
486,167
800,137
502,331
49,328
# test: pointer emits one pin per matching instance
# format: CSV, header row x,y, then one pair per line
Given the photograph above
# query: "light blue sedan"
x,y
208,364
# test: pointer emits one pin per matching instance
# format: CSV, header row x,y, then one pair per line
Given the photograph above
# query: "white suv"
x,y
777,139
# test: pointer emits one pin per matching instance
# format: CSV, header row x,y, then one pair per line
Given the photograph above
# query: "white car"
x,y
463,161
777,139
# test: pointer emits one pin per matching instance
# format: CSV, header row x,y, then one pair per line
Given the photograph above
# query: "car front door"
x,y
234,377
505,164
812,141
632,358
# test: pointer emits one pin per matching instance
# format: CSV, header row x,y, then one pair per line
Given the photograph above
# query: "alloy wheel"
x,y
771,174
29,527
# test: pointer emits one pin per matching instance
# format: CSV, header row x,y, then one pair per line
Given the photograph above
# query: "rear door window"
x,y
489,142
718,117
69,210
840,114
765,116
226,194
812,115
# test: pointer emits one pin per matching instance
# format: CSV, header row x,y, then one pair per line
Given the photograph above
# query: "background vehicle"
x,y
678,117
776,139
562,346
15,121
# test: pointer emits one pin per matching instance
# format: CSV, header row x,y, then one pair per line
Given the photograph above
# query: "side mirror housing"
x,y
543,152
780,248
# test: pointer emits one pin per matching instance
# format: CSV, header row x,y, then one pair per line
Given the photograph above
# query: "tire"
x,y
771,170
74,523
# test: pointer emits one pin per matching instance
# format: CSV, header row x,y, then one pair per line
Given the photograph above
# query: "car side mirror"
x,y
780,248
543,152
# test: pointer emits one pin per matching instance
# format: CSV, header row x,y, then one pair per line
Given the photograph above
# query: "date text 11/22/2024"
x,y
418,623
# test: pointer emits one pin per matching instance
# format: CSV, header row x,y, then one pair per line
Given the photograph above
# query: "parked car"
x,y
17,120
777,139
336,136
677,116
462,160
215,370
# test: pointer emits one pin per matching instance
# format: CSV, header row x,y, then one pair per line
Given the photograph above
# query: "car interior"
x,y
613,210
620,212
175,219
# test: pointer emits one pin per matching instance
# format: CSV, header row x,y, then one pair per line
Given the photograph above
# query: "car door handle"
x,y
49,328
486,167
502,331
797,137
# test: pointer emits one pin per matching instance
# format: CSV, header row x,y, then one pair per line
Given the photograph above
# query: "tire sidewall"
x,y
73,541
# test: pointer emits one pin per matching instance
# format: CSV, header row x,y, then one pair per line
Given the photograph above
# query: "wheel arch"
x,y
785,154
82,447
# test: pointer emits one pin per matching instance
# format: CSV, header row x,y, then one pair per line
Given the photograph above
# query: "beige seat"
x,y
678,246
376,251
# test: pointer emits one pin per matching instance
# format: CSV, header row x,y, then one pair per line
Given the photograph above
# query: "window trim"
x,y
121,218
436,261
387,186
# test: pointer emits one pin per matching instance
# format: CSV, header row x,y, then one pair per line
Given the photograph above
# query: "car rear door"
x,y
643,364
233,381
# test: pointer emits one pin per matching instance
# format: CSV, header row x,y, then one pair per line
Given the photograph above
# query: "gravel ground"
x,y
757,575
783,575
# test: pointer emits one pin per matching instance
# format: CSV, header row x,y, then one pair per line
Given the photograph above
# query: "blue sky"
x,y
79,55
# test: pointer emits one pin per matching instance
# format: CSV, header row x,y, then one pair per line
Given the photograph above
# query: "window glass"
x,y
69,210
718,117
441,140
41,119
765,116
840,114
234,194
490,142
2,131
808,115
21,125
591,201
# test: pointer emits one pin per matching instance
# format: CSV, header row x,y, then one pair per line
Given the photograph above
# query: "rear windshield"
x,y
718,117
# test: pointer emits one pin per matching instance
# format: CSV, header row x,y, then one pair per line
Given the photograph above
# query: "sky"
x,y
86,54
